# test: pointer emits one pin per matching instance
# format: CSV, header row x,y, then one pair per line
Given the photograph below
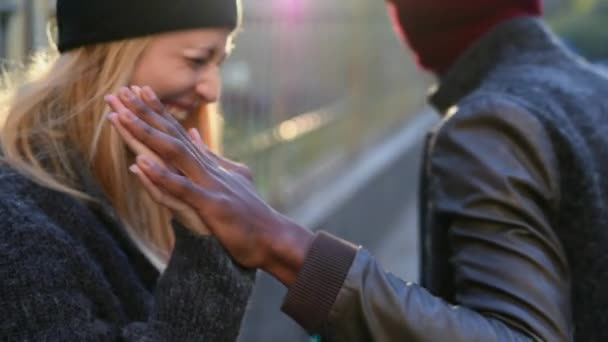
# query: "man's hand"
x,y
180,210
220,191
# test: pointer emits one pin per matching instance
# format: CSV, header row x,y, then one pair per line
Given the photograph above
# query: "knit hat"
x,y
83,22
439,31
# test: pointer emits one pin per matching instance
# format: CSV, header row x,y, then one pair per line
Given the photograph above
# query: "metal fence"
x,y
309,85
23,27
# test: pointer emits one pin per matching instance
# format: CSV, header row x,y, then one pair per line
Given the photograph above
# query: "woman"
x,y
85,253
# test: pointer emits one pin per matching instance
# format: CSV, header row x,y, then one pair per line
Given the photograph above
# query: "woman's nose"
x,y
209,86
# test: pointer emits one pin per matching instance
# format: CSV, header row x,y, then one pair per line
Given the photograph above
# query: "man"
x,y
515,202
503,243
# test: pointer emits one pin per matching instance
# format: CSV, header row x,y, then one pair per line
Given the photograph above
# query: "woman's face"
x,y
183,68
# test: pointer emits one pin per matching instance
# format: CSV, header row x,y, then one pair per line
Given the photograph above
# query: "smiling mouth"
x,y
180,113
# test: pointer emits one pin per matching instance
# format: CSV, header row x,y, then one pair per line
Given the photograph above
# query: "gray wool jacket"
x,y
69,272
514,211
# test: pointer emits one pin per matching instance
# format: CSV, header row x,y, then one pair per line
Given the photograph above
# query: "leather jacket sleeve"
x,y
492,189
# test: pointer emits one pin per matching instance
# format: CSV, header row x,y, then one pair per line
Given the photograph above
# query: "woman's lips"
x,y
179,111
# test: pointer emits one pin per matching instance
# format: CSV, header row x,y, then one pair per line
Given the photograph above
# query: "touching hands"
x,y
180,172
180,210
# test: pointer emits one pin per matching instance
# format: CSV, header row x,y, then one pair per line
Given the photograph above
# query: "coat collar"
x,y
523,40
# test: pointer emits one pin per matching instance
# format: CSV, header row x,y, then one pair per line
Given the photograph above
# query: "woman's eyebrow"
x,y
212,48
213,51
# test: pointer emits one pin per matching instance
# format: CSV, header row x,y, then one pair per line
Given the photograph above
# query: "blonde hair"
x,y
60,109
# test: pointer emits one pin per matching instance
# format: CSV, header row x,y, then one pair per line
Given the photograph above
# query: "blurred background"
x,y
326,106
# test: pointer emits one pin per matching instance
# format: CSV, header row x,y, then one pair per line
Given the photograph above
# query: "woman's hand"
x,y
180,210
219,190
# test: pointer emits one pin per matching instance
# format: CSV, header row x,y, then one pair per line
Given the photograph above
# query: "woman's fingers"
x,y
150,98
182,212
129,100
228,204
174,185
145,105
174,151
134,145
170,149
154,192
147,95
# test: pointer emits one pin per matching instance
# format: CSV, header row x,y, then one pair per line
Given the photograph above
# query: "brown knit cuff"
x,y
314,292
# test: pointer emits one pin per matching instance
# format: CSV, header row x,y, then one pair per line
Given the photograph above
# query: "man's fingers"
x,y
180,209
149,97
145,104
134,145
200,144
202,150
154,118
154,192
196,138
222,162
171,150
173,184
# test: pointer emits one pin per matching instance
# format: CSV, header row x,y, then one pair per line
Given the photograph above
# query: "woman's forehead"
x,y
196,38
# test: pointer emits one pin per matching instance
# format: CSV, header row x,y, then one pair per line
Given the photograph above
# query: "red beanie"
x,y
439,31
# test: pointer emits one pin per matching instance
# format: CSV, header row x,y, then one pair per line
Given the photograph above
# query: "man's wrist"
x,y
319,281
287,250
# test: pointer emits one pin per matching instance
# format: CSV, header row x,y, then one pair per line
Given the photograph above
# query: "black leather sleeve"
x,y
493,192
493,188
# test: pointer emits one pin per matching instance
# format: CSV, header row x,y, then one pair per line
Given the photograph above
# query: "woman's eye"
x,y
198,62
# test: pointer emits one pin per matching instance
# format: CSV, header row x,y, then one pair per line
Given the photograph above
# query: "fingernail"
x,y
136,90
111,116
126,93
108,98
149,93
133,169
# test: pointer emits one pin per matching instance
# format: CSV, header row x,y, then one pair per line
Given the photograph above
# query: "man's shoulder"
x,y
487,109
565,95
488,126
573,82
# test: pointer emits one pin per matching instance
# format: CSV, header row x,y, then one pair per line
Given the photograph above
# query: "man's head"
x,y
439,31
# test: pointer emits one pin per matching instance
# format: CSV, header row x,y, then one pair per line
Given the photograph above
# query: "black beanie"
x,y
83,22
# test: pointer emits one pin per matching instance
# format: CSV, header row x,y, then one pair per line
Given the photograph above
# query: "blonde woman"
x,y
85,252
